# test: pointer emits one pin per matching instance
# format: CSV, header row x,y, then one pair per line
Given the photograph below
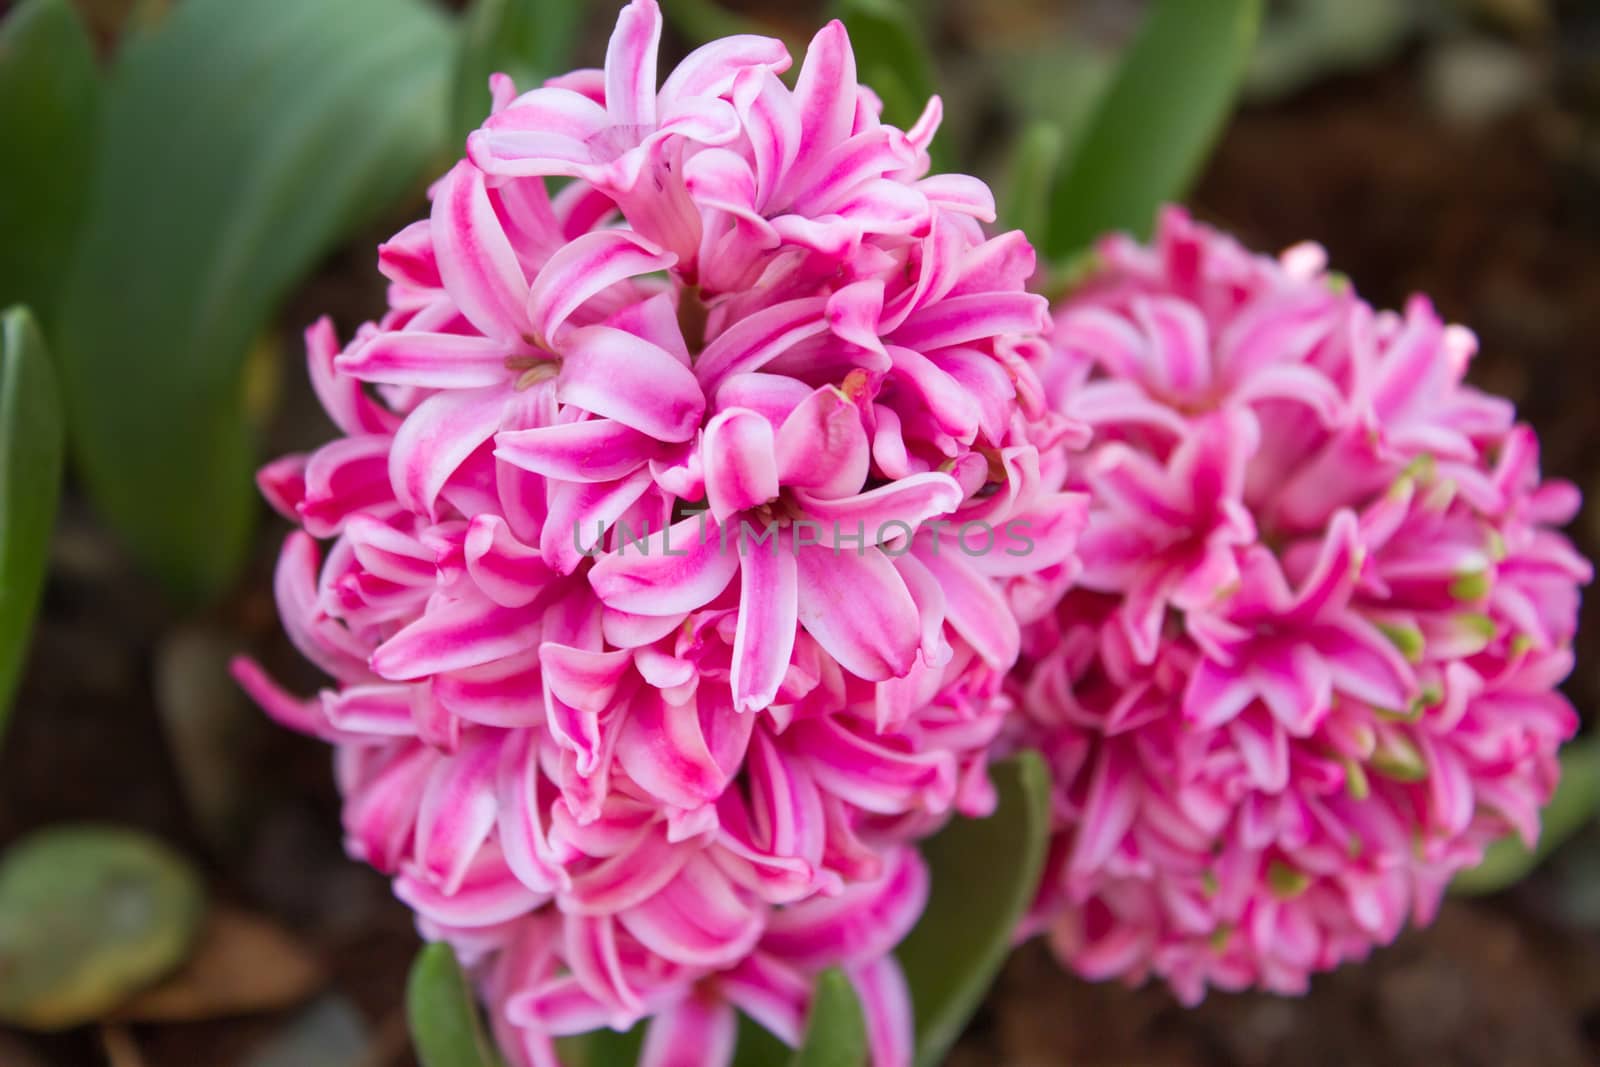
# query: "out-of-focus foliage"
x,y
88,915
1156,124
1026,203
237,144
985,872
704,20
48,91
30,482
608,1048
1305,40
527,39
892,57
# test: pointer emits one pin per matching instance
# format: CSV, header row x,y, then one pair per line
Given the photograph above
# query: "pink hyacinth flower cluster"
x,y
671,543
1308,671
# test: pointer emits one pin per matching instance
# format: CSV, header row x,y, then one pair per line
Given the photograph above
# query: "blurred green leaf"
x,y
1576,800
48,91
443,1013
88,915
836,1032
1309,40
30,483
758,1047
237,144
1026,204
601,1048
892,57
527,39
1157,122
985,874
701,21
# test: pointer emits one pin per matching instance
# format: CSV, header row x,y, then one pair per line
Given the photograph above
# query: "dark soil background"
x,y
1461,158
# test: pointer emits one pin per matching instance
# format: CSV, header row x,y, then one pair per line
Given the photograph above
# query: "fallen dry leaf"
x,y
243,965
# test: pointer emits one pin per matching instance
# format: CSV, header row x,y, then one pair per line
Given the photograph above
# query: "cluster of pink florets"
x,y
710,472
1308,671
674,534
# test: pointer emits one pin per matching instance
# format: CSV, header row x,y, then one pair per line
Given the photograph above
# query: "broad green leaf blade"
x,y
1026,205
985,874
527,39
1157,123
237,144
30,483
48,91
443,1013
836,1032
88,915
892,56
1576,800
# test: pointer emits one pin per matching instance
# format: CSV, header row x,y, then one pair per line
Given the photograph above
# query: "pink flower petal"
x,y
886,1009
821,445
429,360
436,440
546,131
697,1031
679,569
857,607
825,92
456,634
631,65
457,811
973,605
768,614
584,268
477,264
891,511
756,340
617,375
740,463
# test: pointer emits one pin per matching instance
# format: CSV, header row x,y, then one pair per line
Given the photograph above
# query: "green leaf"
x,y
1026,205
758,1047
1576,800
88,915
237,144
701,21
30,483
602,1048
891,56
836,1032
48,92
1157,122
527,39
985,874
443,1013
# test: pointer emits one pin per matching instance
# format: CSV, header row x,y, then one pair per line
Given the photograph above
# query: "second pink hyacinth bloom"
x,y
1309,669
